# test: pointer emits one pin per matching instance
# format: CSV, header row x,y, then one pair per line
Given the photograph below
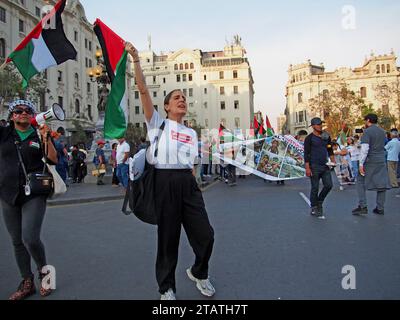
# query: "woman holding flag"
x,y
177,197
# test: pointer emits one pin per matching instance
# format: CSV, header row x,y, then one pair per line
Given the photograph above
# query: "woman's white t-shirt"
x,y
178,146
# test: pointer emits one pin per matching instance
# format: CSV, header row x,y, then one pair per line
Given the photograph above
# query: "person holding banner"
x,y
317,151
21,154
178,199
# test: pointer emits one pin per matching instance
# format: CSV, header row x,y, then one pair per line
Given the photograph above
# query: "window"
x,y
186,66
221,75
378,69
190,77
176,66
89,87
137,125
164,80
37,11
154,94
184,92
236,90
77,106
191,105
363,92
76,80
156,107
165,93
205,77
235,74
236,105
86,44
60,76
181,66
222,105
137,110
237,122
89,111
300,98
192,65
297,78
301,116
388,68
61,101
178,78
205,105
205,91
383,68
90,63
45,74
2,48
21,26
184,77
154,79
190,92
86,62
76,36
136,95
3,15
90,45
222,91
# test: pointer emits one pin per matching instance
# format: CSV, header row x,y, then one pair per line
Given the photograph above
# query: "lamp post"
x,y
99,75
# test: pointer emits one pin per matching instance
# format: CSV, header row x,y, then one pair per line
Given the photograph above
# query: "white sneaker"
x,y
169,295
205,286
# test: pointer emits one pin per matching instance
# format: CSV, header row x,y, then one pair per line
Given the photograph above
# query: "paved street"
x,y
267,247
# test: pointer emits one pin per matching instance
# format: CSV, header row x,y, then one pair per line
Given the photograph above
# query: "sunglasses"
x,y
21,111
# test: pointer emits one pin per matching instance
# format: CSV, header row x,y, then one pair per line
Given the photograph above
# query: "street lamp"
x,y
99,73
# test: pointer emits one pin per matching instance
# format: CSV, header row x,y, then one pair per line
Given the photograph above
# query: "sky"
x,y
274,33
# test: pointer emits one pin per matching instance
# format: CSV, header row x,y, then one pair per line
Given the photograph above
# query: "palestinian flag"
x,y
270,130
44,47
258,128
115,57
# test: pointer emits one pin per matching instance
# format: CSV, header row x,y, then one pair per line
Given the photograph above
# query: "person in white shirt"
x,y
393,150
178,199
123,150
354,150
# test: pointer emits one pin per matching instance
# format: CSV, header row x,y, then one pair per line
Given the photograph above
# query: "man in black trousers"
x,y
317,151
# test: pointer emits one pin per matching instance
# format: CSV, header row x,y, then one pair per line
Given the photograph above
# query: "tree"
x,y
11,86
339,107
79,136
134,134
387,94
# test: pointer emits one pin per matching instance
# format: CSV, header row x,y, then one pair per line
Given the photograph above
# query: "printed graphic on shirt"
x,y
35,145
181,137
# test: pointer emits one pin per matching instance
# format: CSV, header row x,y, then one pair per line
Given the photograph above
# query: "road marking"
x,y
305,199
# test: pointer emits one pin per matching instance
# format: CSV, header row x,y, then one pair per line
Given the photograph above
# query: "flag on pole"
x,y
115,57
270,130
46,46
258,128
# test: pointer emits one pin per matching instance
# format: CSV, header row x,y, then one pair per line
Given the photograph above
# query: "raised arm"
x,y
145,97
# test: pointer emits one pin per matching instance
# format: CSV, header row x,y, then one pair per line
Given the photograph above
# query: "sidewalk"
x,y
91,192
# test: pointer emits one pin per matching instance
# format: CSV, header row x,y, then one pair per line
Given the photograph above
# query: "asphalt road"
x,y
267,246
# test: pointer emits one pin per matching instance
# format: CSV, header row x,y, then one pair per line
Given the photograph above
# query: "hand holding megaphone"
x,y
55,113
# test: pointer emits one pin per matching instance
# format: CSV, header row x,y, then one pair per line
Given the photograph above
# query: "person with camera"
x,y
23,203
373,170
317,151
178,199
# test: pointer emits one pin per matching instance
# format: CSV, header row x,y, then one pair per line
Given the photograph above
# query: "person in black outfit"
x,y
317,151
78,165
24,211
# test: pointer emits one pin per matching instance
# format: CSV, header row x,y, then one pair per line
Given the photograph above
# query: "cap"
x,y
316,121
99,142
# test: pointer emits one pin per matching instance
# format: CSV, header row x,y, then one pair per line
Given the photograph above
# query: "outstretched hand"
x,y
132,50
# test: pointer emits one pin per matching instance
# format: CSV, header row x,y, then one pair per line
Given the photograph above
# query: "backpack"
x,y
140,192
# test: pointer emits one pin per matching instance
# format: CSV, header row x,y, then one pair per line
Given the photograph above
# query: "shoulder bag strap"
x,y
158,139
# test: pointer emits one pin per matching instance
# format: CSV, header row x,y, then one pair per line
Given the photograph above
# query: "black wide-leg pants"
x,y
179,201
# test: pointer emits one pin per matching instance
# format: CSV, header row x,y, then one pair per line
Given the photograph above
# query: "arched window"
x,y
77,106
363,92
181,66
378,69
192,65
186,66
297,78
300,97
388,68
76,80
2,48
383,68
294,79
301,77
176,66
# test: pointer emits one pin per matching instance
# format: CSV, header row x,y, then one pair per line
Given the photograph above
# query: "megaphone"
x,y
55,113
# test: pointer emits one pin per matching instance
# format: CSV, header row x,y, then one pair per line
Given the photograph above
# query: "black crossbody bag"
x,y
140,193
37,183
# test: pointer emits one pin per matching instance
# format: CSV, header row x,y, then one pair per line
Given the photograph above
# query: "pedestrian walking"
x,y
122,156
393,151
373,171
178,200
21,154
317,151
